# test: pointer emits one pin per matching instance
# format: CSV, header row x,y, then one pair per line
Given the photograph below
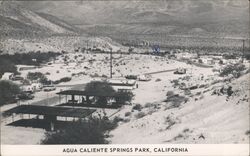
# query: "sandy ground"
x,y
211,119
204,118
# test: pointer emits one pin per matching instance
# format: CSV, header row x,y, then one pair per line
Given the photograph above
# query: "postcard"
x,y
125,77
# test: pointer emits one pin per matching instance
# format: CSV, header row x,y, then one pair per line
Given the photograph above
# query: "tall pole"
x,y
243,50
110,62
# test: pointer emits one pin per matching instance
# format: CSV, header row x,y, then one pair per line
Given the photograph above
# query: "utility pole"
x,y
243,50
110,62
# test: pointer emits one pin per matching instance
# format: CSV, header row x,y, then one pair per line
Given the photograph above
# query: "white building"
x,y
186,55
7,76
36,86
122,84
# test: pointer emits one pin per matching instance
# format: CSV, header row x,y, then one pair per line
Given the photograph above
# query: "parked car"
x,y
133,77
180,71
144,78
17,78
48,88
25,96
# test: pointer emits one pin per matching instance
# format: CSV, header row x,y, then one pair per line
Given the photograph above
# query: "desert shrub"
x,y
176,100
147,105
37,76
123,97
8,91
126,120
64,79
157,80
104,76
247,132
169,121
175,82
89,132
186,130
94,75
127,113
170,93
137,107
235,70
117,119
140,115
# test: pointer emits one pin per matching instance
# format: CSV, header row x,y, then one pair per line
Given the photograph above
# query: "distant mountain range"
x,y
18,21
163,21
212,17
186,17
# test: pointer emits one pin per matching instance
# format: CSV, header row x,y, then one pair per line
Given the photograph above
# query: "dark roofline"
x,y
84,93
51,110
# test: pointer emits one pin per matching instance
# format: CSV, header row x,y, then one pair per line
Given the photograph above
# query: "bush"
x,y
65,79
99,88
176,100
89,132
27,58
157,80
8,92
170,93
137,107
233,69
127,113
123,97
7,66
140,115
37,76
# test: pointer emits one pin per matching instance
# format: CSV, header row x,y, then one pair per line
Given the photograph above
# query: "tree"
x,y
123,97
7,66
235,70
8,91
37,76
88,132
99,88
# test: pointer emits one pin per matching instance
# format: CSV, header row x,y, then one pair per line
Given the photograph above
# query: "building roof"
x,y
51,110
121,82
84,93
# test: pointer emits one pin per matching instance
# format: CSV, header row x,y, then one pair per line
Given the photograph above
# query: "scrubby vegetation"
x,y
103,88
140,115
233,69
64,79
123,97
8,92
6,66
37,76
8,62
137,107
93,131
